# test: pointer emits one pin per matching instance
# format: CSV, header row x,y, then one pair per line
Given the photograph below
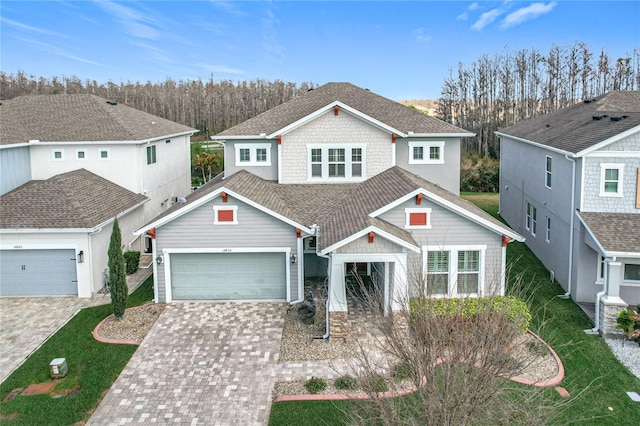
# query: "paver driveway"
x,y
202,363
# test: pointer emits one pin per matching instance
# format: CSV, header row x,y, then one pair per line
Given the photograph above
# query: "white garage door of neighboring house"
x,y
228,276
38,273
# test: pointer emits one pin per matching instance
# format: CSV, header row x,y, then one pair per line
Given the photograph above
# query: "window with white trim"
x,y
103,154
548,232
81,154
531,216
454,271
417,218
253,154
225,215
632,272
336,162
611,180
600,275
57,154
426,152
151,154
548,171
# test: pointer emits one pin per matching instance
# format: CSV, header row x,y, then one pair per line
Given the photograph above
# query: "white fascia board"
x,y
222,139
456,209
609,141
441,135
127,142
15,145
539,145
363,233
209,197
329,107
48,230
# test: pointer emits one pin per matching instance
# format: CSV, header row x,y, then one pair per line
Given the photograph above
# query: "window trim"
x,y
101,150
411,210
600,269
78,151
548,230
603,170
531,218
348,162
426,150
548,171
219,208
53,154
253,154
625,279
453,268
152,154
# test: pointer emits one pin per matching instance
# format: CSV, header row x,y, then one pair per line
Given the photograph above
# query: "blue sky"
x,y
401,50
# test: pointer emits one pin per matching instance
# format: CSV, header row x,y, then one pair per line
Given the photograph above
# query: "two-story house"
x,y
334,179
569,183
49,140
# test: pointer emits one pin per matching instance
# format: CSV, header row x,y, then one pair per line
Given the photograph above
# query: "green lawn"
x,y
591,369
93,366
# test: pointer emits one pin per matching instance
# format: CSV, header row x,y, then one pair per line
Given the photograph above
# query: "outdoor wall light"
x,y
159,260
80,256
293,258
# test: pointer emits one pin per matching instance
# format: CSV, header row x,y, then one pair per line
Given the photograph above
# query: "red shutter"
x,y
418,219
225,215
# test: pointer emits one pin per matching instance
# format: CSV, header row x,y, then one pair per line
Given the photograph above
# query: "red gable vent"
x,y
225,215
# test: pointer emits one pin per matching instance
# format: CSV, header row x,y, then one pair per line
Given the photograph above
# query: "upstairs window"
x,y
611,180
225,215
81,155
256,154
58,154
548,172
417,218
336,163
151,154
426,152
103,154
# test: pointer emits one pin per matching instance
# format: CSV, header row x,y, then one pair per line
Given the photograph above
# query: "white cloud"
x,y
486,18
135,23
222,69
527,13
57,50
420,36
228,6
28,28
270,42
465,15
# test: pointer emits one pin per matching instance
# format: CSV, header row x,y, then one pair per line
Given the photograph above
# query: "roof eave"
x,y
362,233
608,141
539,145
441,135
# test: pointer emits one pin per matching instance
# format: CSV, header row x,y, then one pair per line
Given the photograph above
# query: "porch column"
x,y
400,289
386,285
611,304
614,278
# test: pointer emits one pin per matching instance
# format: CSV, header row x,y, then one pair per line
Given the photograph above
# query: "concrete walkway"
x,y
27,322
205,363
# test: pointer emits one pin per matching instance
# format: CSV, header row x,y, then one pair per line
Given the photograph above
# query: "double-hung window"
x,y
611,180
151,154
423,152
531,217
336,162
454,271
548,172
253,154
548,233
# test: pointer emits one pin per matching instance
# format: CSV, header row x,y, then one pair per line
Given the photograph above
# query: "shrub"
x,y
346,382
375,383
117,276
131,261
315,385
401,371
514,310
629,323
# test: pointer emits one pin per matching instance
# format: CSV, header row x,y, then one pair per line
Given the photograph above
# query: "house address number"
x,y
17,247
227,249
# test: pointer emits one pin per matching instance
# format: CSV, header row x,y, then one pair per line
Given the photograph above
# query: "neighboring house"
x,y
44,136
54,233
569,183
334,179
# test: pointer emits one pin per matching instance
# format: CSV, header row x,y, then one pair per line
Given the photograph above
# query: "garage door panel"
x,y
38,273
228,276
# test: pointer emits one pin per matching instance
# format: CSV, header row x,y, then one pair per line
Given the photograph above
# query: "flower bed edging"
x,y
116,341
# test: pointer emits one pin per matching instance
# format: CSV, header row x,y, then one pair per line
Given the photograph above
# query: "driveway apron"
x,y
210,363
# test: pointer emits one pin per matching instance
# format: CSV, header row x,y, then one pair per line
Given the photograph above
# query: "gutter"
x,y
605,288
571,223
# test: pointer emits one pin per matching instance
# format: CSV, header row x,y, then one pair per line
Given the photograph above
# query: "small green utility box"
x,y
58,368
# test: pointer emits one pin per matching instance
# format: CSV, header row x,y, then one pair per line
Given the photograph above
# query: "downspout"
x,y
325,336
300,248
571,231
605,288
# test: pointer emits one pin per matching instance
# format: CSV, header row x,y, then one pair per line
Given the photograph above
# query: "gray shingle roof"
x,y
382,109
77,199
341,210
573,129
616,232
78,118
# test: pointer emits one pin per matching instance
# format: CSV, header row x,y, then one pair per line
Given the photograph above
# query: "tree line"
x,y
498,91
209,106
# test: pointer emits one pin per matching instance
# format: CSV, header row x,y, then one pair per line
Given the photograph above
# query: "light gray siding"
x,y
445,175
15,167
265,172
255,229
450,229
593,201
362,245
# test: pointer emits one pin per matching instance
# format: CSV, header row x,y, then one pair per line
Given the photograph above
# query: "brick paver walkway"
x,y
205,363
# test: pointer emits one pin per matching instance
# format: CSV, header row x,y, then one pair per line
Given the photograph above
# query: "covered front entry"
x,y
38,273
228,276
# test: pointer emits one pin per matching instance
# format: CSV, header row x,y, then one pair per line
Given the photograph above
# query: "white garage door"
x,y
38,273
228,276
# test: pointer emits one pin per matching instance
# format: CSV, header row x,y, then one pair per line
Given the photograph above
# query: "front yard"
x,y
593,374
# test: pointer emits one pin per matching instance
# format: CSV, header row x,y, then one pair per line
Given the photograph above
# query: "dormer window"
x,y
327,163
426,152
253,154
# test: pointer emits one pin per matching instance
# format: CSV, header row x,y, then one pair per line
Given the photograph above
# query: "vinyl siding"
x,y
15,166
195,230
265,172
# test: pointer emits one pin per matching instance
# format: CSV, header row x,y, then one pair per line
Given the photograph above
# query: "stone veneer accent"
x,y
610,308
338,324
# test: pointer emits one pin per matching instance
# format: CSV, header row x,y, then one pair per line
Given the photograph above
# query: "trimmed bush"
x,y
131,261
315,385
514,310
346,382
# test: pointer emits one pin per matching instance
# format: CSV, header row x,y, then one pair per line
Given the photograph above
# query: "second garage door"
x,y
38,273
228,276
